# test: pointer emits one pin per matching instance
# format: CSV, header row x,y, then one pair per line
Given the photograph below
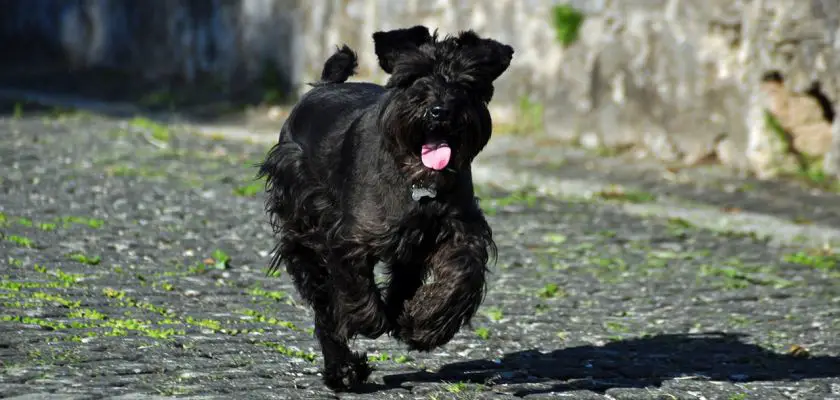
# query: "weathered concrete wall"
x,y
680,80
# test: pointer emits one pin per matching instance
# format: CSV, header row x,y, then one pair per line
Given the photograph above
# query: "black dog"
x,y
364,173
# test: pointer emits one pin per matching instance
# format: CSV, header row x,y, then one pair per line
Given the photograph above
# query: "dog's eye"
x,y
418,82
461,87
403,81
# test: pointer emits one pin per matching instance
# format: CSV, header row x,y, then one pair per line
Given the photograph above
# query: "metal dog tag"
x,y
418,193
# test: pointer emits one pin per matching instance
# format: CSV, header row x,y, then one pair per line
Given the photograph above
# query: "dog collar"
x,y
419,192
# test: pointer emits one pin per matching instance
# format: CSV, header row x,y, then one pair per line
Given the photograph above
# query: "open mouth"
x,y
436,155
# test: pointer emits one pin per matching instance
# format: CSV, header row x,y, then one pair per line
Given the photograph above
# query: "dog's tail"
x,y
340,66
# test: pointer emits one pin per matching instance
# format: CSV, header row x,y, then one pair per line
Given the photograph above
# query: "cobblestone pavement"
x,y
132,265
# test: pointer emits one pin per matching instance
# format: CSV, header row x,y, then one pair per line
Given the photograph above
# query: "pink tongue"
x,y
435,156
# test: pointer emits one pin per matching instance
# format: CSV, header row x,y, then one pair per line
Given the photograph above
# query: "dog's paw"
x,y
370,321
375,327
420,337
348,375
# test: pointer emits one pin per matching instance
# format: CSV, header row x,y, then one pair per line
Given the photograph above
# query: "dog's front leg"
x,y
439,309
405,279
359,305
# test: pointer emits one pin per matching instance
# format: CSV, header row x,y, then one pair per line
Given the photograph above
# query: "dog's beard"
x,y
431,153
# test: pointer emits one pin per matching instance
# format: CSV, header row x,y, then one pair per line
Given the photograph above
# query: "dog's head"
x,y
436,117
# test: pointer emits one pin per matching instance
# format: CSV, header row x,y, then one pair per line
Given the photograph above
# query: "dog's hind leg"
x,y
439,309
360,305
343,369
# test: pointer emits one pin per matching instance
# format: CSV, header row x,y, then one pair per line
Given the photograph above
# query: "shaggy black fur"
x,y
340,184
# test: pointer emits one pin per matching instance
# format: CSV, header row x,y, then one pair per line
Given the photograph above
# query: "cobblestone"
x,y
134,265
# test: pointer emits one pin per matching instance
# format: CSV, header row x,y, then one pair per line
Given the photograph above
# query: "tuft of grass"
x,y
772,123
53,224
735,274
113,293
379,357
43,323
220,259
158,131
47,226
523,197
85,259
87,313
251,189
823,260
382,357
275,295
680,227
121,327
618,193
457,387
403,359
494,314
483,333
52,298
739,320
550,290
131,171
210,324
67,279
259,317
567,22
531,115
74,220
555,238
286,351
20,240
198,268
809,168
618,327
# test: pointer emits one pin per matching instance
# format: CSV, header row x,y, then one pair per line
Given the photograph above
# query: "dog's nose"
x,y
438,112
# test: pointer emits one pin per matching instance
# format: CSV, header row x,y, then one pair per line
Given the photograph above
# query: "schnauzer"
x,y
364,173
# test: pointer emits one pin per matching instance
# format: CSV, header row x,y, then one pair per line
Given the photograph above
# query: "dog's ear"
x,y
490,57
389,45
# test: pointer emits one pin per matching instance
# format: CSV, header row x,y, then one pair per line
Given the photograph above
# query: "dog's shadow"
x,y
635,363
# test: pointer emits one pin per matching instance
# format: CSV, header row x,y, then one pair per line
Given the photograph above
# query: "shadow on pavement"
x,y
634,363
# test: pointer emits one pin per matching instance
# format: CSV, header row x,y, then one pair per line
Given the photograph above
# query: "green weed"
x,y
482,333
158,131
85,259
20,240
567,22
817,259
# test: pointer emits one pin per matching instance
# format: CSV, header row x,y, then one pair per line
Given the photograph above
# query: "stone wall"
x,y
684,81
681,80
